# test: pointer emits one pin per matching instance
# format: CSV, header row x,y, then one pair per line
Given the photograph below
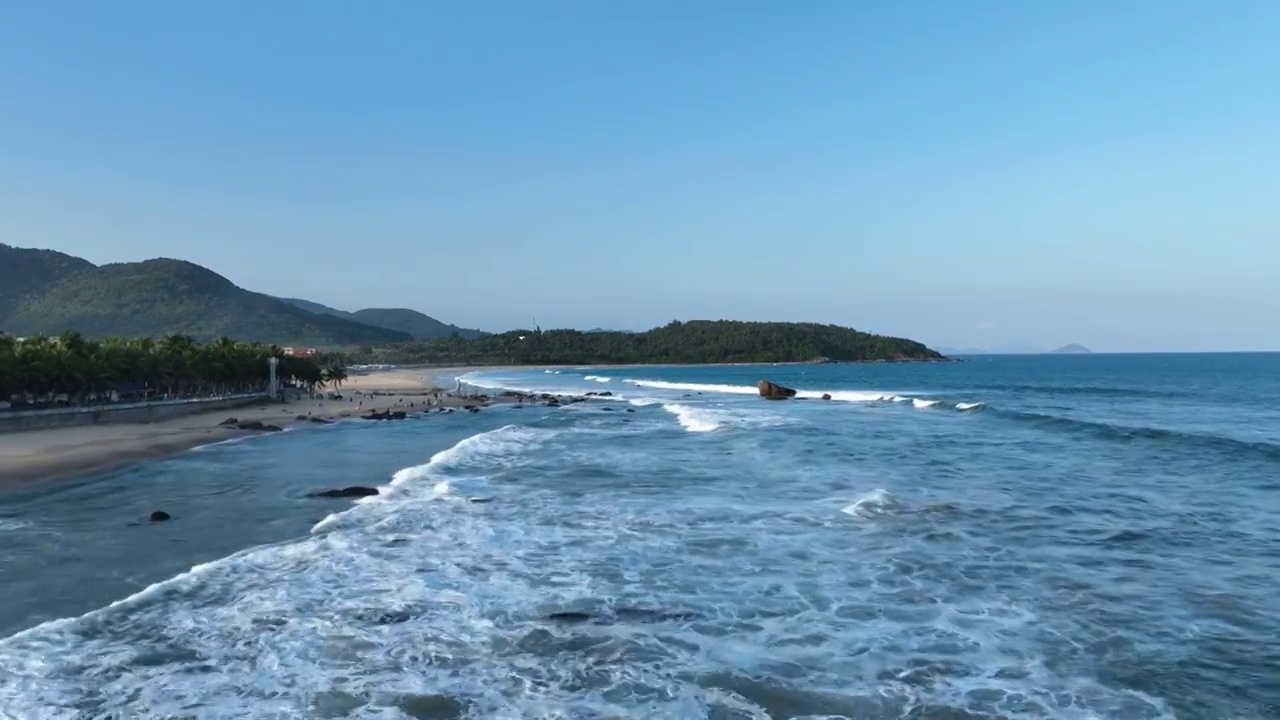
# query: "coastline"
x,y
41,455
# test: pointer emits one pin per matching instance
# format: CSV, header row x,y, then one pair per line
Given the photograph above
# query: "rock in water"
x,y
769,391
352,491
826,396
160,516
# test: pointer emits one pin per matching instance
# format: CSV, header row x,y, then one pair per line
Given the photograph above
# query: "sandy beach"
x,y
49,454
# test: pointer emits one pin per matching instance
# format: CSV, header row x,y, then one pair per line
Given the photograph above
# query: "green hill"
x,y
163,296
694,342
420,326
24,271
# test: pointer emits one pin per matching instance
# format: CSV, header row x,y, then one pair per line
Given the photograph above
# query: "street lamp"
x,y
272,362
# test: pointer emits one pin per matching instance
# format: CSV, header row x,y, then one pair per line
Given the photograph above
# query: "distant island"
x,y
1072,349
678,343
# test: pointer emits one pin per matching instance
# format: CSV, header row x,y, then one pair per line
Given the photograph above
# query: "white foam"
x,y
969,406
695,387
10,524
922,404
694,419
597,378
506,440
876,502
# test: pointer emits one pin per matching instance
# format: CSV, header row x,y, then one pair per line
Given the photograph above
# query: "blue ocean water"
x,y
1055,537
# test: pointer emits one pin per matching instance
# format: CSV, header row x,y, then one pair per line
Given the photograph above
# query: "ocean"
x,y
1019,537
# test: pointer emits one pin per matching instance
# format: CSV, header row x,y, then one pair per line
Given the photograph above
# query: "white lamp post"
x,y
272,362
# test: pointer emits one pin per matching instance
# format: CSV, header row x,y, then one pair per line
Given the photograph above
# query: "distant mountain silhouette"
x,y
1073,349
418,325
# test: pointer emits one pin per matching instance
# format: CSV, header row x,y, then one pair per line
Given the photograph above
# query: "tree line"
x,y
76,370
684,343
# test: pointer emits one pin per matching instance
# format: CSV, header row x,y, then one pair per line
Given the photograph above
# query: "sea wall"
x,y
146,412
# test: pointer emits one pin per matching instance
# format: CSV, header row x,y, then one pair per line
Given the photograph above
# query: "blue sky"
x,y
968,174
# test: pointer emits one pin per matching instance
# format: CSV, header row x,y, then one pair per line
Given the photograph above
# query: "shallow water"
x,y
1066,537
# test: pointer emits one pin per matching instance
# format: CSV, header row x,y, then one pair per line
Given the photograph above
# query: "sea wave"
x,y
694,419
1128,433
480,451
597,378
876,502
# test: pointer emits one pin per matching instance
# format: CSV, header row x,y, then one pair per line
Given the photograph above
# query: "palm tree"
x,y
335,376
87,370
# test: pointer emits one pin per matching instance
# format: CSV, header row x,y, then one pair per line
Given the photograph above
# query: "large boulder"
x,y
770,391
347,492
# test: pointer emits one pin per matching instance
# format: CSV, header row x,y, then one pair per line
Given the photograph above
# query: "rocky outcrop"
x,y
160,516
386,415
826,396
257,425
347,492
770,391
623,614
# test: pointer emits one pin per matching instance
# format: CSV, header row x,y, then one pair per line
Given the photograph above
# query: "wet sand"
x,y
48,454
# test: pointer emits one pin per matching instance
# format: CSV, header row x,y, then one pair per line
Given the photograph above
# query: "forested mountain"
x,y
24,271
694,342
155,298
420,326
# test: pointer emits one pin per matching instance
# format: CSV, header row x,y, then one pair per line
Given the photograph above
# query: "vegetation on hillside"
x,y
416,324
38,370
166,297
25,271
693,342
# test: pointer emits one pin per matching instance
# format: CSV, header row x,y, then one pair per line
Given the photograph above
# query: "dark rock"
x,y
272,428
631,409
769,391
606,393
826,396
320,421
570,616
347,492
398,415
433,707
301,418
606,409
623,614
391,617
160,516
593,393
230,421
481,500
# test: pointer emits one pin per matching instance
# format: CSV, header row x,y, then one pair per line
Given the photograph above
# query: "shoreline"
x,y
33,457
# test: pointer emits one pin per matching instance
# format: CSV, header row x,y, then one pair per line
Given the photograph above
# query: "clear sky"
x,y
964,173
